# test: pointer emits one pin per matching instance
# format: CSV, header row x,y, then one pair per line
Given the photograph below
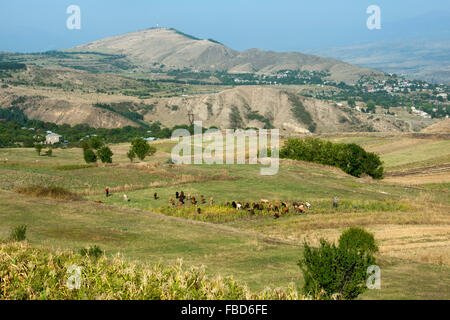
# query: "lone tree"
x,y
141,148
105,154
38,148
131,155
338,272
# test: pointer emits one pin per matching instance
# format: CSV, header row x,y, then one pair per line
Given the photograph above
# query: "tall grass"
x,y
42,274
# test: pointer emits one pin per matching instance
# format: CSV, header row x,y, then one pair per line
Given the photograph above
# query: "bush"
x,y
18,233
48,192
359,239
93,252
336,272
351,158
48,153
89,156
105,154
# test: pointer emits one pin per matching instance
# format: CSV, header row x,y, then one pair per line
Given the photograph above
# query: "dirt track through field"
x,y
420,176
437,169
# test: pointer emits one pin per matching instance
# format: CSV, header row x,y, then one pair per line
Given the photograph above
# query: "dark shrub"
x,y
359,239
18,233
92,252
47,192
89,156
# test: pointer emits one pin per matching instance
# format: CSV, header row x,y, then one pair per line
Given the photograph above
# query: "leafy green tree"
x,y
105,154
95,143
131,155
38,147
336,272
141,148
89,156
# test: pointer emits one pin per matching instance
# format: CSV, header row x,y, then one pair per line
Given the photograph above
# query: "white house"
x,y
52,138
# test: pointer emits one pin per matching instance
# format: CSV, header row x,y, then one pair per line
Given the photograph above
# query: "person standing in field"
x,y
335,202
107,191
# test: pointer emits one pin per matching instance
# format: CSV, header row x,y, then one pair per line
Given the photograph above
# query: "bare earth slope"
x,y
253,106
440,127
272,104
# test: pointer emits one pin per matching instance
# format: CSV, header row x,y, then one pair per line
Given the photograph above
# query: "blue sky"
x,y
281,25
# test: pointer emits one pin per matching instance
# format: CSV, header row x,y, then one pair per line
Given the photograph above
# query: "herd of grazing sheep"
x,y
277,208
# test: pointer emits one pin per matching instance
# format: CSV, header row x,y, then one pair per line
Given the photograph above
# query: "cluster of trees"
x,y
12,66
12,120
351,158
339,271
38,147
95,149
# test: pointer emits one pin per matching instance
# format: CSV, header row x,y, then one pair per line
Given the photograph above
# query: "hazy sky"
x,y
280,25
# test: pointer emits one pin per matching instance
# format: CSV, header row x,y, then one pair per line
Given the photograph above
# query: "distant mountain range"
x,y
417,47
427,60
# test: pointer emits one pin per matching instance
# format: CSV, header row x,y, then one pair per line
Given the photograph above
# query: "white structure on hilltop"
x,y
420,113
52,138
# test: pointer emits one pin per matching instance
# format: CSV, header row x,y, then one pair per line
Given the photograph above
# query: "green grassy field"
x,y
410,223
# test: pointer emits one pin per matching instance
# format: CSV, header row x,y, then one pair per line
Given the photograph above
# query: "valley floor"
x,y
410,218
